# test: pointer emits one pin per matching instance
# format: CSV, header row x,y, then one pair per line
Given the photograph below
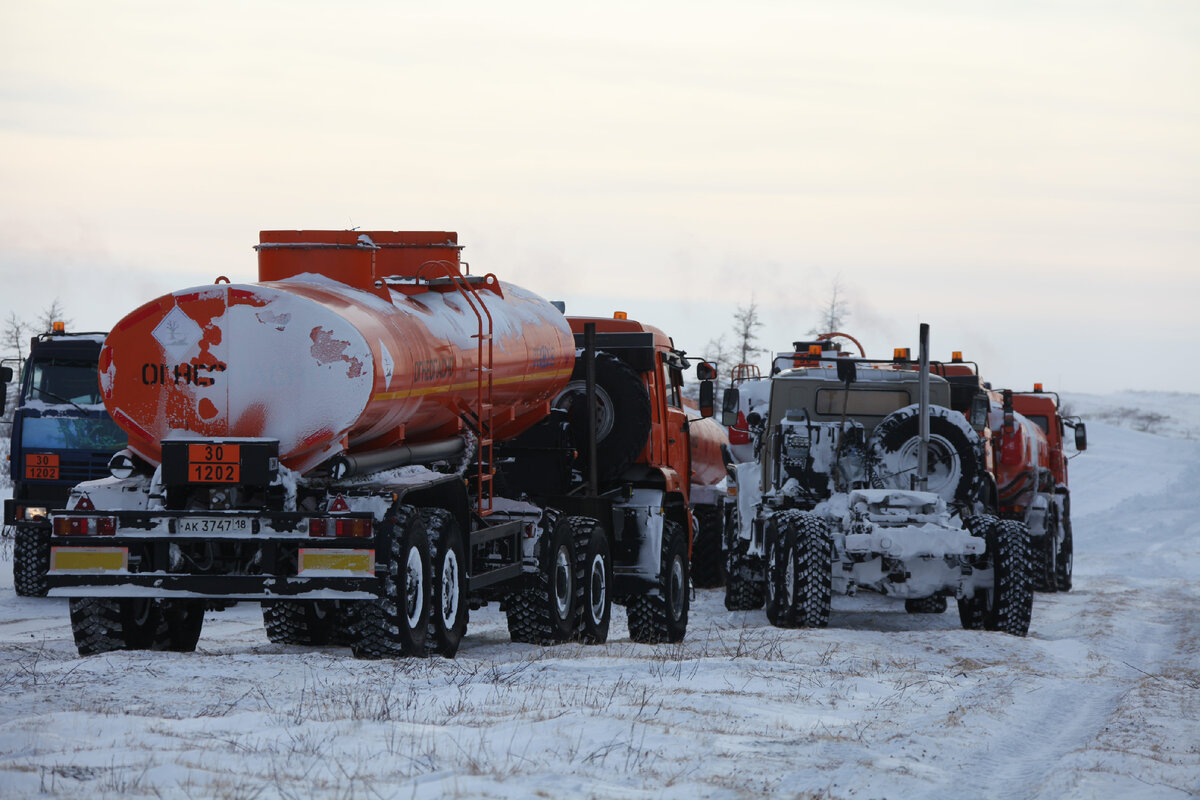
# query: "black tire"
x,y
1006,606
800,582
741,593
397,623
596,574
182,621
662,616
303,622
926,605
1064,563
448,585
708,562
31,559
1044,554
956,454
105,624
548,610
622,414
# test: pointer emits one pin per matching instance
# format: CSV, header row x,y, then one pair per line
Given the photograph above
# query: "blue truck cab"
x,y
61,435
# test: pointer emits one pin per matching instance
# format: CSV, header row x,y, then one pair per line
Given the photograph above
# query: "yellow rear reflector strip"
x,y
354,562
89,559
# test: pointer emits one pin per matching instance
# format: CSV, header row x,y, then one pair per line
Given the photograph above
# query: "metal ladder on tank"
x,y
484,415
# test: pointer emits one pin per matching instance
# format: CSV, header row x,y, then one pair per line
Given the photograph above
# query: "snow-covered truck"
x,y
61,435
369,441
867,478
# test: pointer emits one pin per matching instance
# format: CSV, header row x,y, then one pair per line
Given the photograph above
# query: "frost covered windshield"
x,y
64,381
72,433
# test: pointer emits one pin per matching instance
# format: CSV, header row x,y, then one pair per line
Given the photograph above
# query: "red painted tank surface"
x,y
350,341
708,466
1024,454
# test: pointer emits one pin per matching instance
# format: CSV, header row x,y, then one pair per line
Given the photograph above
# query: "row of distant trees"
x,y
740,344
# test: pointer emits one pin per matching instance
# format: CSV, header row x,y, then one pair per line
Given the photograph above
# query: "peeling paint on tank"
x,y
326,350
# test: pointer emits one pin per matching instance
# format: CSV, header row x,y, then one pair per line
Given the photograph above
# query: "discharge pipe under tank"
x,y
346,465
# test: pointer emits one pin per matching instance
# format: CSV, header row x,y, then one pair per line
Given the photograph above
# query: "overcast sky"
x,y
1024,176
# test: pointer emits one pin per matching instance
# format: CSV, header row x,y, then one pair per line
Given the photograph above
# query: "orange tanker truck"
x,y
371,441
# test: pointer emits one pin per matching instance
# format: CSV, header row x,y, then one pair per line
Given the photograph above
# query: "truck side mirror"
x,y
729,407
6,376
705,371
1080,436
706,398
980,406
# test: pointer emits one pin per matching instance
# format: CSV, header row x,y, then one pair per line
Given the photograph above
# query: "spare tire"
x,y
622,414
957,468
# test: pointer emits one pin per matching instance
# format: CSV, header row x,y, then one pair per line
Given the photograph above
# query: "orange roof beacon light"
x,y
814,350
900,355
58,327
1037,387
956,356
620,315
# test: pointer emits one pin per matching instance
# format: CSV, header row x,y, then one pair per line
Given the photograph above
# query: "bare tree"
x,y
51,314
717,353
835,311
745,326
15,335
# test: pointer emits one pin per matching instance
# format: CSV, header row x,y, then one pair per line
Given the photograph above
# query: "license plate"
x,y
213,525
214,463
89,559
41,466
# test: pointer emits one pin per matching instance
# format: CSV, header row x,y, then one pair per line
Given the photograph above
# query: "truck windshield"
x,y
64,381
72,433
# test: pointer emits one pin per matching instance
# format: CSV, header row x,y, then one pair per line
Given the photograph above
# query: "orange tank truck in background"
x,y
370,441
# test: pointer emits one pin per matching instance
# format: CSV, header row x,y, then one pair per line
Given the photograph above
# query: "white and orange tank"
x,y
350,340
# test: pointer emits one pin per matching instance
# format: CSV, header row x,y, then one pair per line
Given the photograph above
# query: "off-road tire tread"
x,y
648,615
31,560
708,562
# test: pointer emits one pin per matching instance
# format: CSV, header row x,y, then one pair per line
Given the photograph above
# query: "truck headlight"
x,y
35,512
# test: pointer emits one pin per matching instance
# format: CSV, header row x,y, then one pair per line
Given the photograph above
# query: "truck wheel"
x,y
397,623
1044,556
781,569
104,624
303,622
547,612
708,561
182,622
1066,551
926,605
806,566
31,559
622,414
662,617
597,577
741,593
448,607
1007,605
956,456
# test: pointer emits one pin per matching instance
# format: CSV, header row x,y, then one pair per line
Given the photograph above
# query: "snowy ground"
x,y
1102,700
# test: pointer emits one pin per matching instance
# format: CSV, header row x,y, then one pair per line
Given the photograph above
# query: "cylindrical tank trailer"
x,y
352,341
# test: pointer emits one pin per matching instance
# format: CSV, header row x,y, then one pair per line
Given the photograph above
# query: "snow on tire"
x,y
397,623
663,616
547,611
800,571
31,559
957,470
1007,605
741,593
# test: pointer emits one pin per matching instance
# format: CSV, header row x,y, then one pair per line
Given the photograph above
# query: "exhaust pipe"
x,y
923,447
